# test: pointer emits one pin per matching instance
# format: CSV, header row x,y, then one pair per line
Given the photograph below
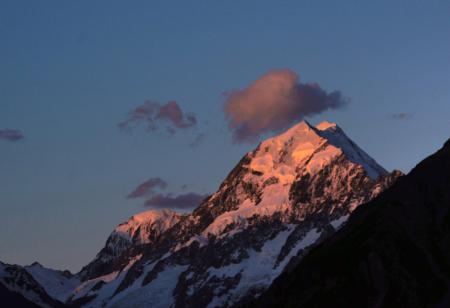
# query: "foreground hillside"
x,y
393,252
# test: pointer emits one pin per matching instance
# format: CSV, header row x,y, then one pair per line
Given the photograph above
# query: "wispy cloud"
x,y
273,102
154,115
197,140
11,135
184,201
147,188
150,191
402,116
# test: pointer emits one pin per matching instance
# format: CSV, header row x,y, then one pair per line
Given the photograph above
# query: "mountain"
x,y
18,288
283,198
57,284
292,191
393,252
142,229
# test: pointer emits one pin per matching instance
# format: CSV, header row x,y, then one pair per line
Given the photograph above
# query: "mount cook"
x,y
283,198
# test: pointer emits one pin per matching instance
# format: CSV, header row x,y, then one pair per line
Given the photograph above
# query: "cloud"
x,y
273,102
154,114
154,199
184,201
402,116
11,135
197,140
147,188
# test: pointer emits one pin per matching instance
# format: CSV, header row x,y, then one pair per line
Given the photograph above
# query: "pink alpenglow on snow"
x,y
160,220
273,102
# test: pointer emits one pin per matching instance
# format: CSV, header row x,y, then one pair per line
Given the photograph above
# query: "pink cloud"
x,y
148,190
273,102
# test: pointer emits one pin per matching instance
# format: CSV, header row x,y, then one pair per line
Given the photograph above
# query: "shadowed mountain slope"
x,y
393,252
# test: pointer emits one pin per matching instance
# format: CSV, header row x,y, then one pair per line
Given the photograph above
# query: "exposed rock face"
x,y
289,194
393,252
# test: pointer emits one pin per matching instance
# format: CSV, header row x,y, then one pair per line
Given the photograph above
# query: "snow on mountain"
x,y
393,251
49,288
337,137
20,283
303,148
282,198
290,193
140,229
58,284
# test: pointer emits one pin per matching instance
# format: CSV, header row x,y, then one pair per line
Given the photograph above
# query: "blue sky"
x,y
71,71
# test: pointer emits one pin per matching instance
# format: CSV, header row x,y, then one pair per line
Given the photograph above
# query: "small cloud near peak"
x,y
150,192
273,102
147,188
154,115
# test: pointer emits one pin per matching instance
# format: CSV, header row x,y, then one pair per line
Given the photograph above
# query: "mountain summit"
x,y
393,252
289,194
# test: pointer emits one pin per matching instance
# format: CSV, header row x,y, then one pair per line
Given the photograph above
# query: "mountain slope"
x,y
283,198
393,252
10,298
287,195
18,287
58,284
141,229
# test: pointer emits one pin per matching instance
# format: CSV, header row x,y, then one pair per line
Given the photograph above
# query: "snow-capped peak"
x,y
302,128
290,193
326,125
336,136
157,220
58,284
313,147
140,229
282,161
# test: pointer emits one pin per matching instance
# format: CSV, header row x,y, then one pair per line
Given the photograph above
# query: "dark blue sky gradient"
x,y
71,70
